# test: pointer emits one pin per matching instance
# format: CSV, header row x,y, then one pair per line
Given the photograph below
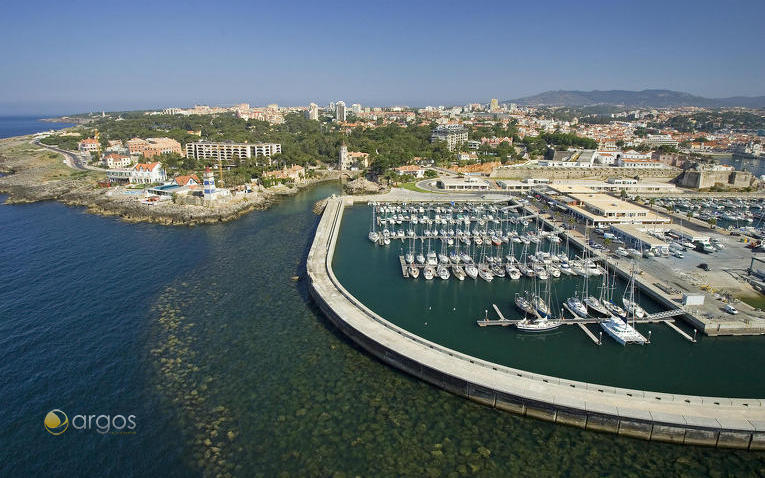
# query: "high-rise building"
x,y
340,111
313,112
356,108
494,106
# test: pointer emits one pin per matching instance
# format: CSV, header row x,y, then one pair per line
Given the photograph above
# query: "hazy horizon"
x,y
152,55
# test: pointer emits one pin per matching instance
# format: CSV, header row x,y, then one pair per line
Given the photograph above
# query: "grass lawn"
x,y
412,186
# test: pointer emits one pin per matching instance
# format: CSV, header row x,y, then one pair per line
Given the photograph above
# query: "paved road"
x,y
72,159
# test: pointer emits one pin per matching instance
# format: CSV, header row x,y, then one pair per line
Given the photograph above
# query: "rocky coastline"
x,y
31,174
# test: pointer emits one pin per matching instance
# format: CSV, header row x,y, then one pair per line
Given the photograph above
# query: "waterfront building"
x,y
147,173
463,184
228,151
89,145
602,209
190,180
452,134
352,160
340,111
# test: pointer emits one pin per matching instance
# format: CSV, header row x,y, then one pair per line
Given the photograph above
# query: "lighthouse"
x,y
208,181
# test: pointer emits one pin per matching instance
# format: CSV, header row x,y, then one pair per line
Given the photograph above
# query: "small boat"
x,y
428,272
414,271
443,259
386,240
374,236
466,259
409,258
497,270
553,271
471,270
443,272
420,259
458,272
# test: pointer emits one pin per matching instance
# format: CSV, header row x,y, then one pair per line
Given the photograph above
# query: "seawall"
x,y
683,419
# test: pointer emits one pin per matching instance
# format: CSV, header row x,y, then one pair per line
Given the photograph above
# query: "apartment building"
x,y
227,151
452,134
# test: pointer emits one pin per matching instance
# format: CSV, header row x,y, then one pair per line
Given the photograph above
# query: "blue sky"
x,y
80,56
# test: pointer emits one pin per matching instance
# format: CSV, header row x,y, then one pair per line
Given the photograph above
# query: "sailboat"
x,y
414,271
630,304
373,235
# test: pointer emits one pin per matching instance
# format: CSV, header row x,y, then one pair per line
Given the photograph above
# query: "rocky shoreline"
x,y
37,176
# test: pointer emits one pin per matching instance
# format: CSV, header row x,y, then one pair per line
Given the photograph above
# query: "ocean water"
x,y
230,369
21,125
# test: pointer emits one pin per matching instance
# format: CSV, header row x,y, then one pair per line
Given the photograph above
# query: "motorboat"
x,y
414,271
420,259
374,236
443,272
471,270
622,332
428,272
458,272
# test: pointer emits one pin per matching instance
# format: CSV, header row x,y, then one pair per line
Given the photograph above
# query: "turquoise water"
x,y
445,312
203,335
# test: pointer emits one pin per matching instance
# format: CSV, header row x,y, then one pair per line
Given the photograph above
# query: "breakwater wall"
x,y
682,419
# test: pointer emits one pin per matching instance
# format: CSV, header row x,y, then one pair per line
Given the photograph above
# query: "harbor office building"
x,y
599,209
228,151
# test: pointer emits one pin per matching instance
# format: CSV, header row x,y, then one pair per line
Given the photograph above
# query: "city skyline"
x,y
152,56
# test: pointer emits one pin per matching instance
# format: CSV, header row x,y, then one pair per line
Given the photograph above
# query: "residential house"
x,y
116,160
416,171
147,173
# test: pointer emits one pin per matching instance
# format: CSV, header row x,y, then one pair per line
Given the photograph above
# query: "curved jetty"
x,y
683,419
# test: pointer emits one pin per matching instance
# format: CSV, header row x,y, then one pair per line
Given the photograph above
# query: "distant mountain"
x,y
645,98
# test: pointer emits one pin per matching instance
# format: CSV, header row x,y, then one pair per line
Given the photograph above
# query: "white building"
x,y
356,108
655,140
640,163
117,161
340,111
463,184
227,151
416,171
452,134
147,173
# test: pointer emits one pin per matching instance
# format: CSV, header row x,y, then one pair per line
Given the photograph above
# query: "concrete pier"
x,y
692,420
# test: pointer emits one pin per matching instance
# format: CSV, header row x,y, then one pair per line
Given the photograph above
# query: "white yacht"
x,y
414,271
443,272
428,272
576,306
471,270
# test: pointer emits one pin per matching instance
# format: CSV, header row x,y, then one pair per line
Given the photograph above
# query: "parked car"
x,y
730,309
704,266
